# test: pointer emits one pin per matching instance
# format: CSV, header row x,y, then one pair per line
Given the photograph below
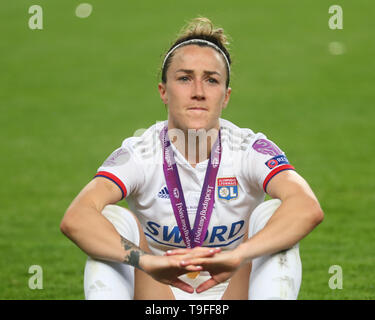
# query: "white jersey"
x,y
248,162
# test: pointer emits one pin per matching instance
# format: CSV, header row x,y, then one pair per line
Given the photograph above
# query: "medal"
x,y
193,275
192,237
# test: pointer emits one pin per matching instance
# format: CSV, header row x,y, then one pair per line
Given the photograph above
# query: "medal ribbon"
x,y
192,237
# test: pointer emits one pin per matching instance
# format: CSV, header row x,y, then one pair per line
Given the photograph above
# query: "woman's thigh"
x,y
238,287
145,287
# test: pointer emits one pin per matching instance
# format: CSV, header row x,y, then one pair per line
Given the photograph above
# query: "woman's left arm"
x,y
298,214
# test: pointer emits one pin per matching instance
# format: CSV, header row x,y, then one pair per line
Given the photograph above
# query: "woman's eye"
x,y
183,78
212,80
186,78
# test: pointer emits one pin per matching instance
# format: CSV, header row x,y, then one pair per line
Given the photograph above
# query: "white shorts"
x,y
214,293
276,276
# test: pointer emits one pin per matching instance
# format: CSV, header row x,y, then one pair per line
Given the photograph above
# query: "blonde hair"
x,y
202,26
199,28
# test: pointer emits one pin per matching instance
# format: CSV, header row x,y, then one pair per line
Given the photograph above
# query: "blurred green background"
x,y
70,93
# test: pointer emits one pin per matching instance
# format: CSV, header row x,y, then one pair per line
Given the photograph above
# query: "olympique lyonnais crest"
x,y
227,188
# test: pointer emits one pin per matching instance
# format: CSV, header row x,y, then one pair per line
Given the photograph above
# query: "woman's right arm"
x,y
85,225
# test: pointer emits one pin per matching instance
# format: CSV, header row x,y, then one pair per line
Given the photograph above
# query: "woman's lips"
x,y
197,109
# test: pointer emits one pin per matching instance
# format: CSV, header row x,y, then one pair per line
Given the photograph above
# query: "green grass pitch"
x,y
70,93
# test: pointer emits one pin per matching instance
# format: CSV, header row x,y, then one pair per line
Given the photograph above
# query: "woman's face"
x,y
195,92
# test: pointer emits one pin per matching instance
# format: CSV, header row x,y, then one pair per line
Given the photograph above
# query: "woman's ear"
x,y
227,96
163,92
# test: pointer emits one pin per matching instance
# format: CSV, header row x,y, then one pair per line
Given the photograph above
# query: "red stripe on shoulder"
x,y
116,180
275,172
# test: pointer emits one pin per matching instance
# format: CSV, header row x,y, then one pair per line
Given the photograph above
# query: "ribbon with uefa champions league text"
x,y
192,237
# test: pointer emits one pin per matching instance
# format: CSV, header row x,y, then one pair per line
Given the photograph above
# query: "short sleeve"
x,y
265,160
123,169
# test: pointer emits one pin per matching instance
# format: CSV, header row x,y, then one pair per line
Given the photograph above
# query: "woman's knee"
x,y
261,214
125,222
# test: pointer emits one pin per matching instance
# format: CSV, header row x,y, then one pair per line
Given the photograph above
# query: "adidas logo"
x,y
163,193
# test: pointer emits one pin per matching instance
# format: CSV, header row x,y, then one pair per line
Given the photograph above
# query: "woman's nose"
x,y
198,90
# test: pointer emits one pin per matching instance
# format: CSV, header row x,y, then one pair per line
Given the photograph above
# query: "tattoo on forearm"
x,y
133,253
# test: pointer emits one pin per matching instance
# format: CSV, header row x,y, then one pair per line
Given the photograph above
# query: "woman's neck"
x,y
194,145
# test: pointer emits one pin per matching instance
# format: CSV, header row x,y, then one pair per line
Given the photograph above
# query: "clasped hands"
x,y
167,268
